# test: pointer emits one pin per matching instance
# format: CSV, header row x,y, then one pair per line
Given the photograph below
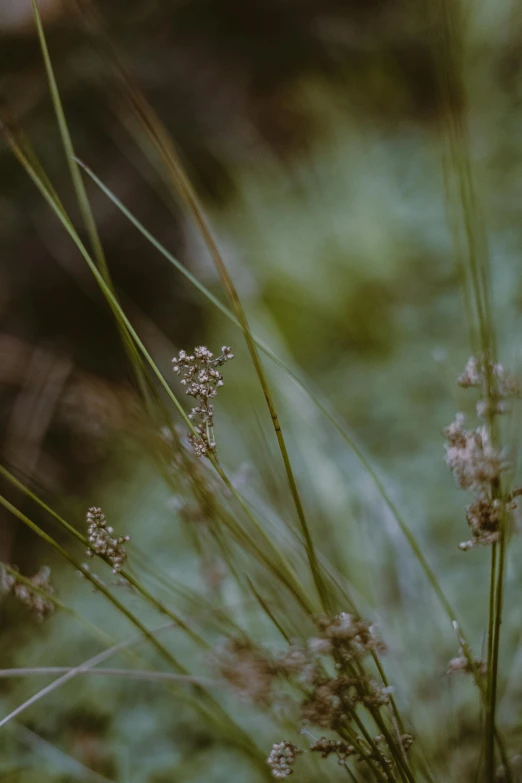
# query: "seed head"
x,y
102,541
202,380
471,456
36,600
282,758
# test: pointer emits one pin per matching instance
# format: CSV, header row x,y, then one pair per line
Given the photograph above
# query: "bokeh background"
x,y
311,132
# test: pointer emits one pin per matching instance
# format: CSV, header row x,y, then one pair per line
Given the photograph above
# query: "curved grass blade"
x,y
85,207
319,402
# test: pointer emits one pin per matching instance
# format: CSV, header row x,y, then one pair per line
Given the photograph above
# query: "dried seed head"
x,y
483,516
330,704
282,758
501,385
102,541
377,695
349,635
36,600
326,747
470,456
462,664
317,646
248,670
202,379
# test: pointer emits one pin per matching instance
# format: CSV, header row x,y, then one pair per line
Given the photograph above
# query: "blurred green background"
x,y
311,133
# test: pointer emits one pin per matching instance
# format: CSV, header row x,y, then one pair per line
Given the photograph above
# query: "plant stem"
x,y
493,665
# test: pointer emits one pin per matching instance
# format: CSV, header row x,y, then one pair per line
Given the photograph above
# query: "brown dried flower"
x,y
331,702
326,747
249,670
500,384
462,664
377,695
471,456
483,516
349,636
35,600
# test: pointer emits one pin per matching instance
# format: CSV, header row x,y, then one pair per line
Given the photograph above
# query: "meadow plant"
x,y
36,593
202,380
471,456
327,670
102,542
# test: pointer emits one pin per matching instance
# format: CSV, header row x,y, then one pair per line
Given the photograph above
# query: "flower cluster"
x,y
326,747
34,595
284,754
282,759
470,455
327,675
462,664
102,542
331,701
492,378
327,701
473,459
202,380
349,636
249,671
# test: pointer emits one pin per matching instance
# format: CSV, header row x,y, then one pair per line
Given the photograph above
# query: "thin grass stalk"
x,y
94,581
282,570
91,627
324,408
449,22
395,747
87,215
220,717
164,145
69,674
98,632
115,306
131,674
493,685
375,749
124,573
490,638
266,609
348,734
321,404
68,764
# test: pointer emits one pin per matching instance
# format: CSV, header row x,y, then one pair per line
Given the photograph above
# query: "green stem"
x,y
371,742
124,573
499,599
176,178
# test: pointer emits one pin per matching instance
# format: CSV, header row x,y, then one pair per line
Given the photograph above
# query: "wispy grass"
x,y
331,669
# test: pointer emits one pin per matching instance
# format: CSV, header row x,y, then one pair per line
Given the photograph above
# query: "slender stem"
x,y
130,674
347,733
176,178
499,598
116,308
94,581
490,720
371,742
204,702
89,222
69,674
124,573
